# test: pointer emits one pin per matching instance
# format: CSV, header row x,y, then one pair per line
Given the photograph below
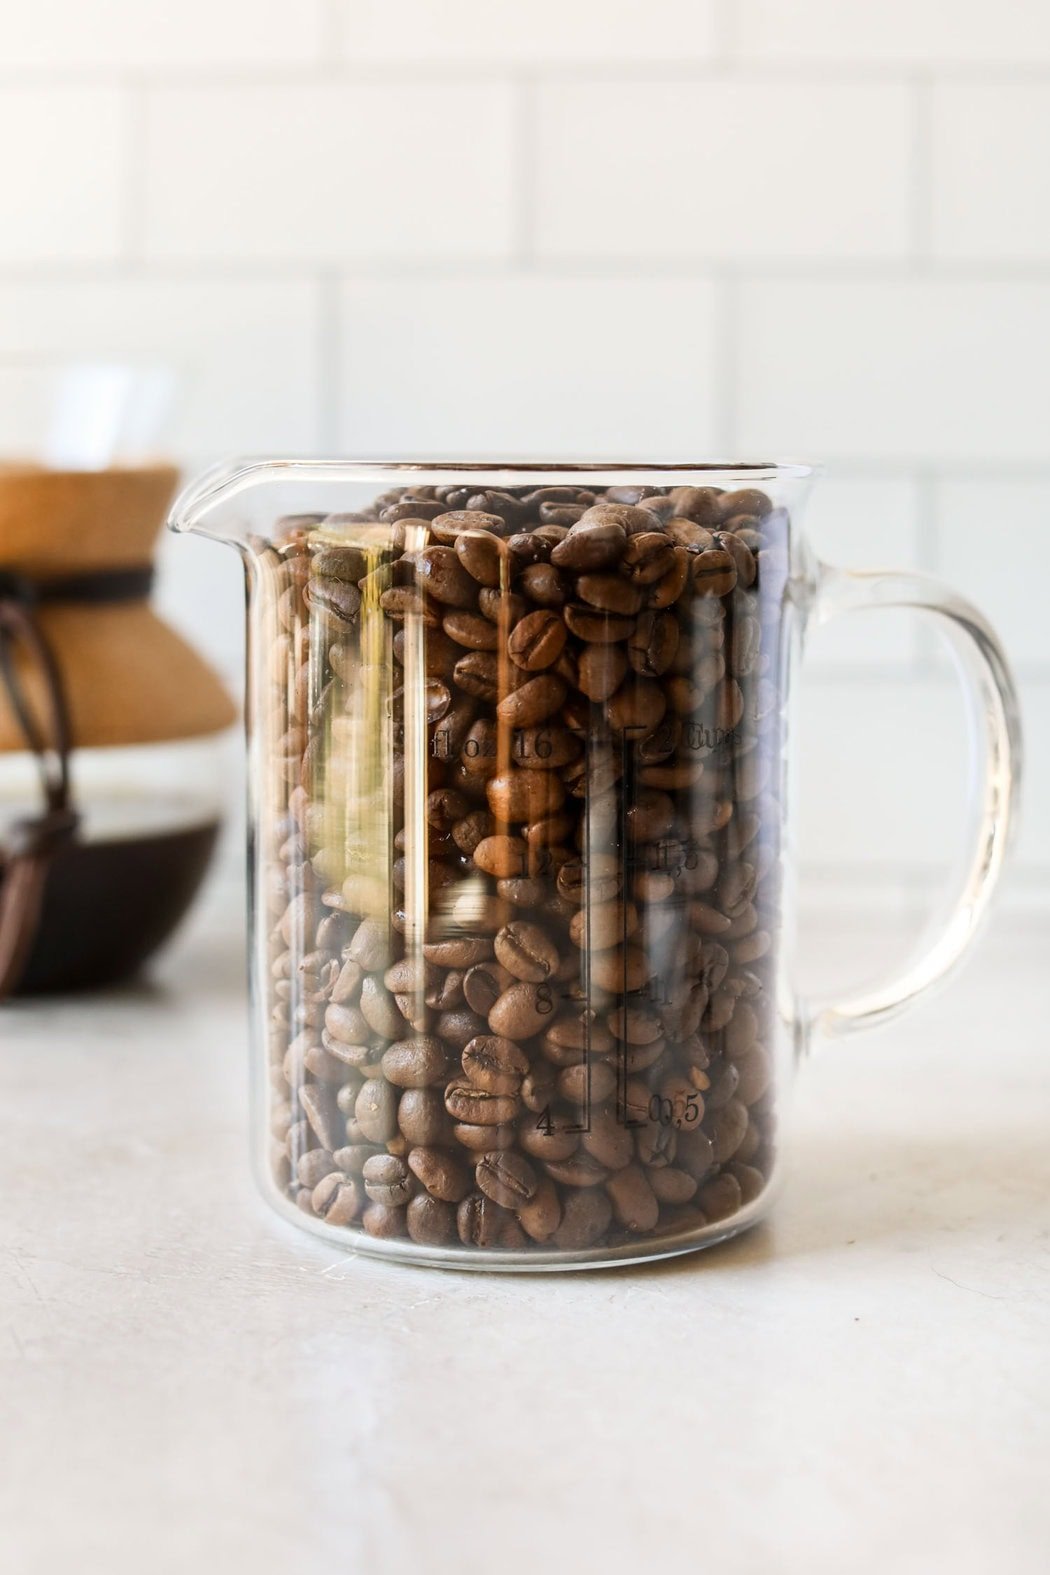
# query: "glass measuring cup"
x,y
521,858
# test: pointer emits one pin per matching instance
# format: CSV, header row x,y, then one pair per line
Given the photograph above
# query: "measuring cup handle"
x,y
995,737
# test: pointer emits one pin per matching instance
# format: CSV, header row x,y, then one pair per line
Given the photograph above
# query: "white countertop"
x,y
190,1385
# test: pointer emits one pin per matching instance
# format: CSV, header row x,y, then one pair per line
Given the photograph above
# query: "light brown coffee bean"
x,y
540,1215
336,1199
634,1202
387,1180
443,1176
415,1063
495,1064
502,856
479,1107
522,1010
526,951
534,701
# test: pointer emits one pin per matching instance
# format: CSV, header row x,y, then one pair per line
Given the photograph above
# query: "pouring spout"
x,y
208,505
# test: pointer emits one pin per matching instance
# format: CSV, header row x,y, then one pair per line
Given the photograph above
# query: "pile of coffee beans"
x,y
519,853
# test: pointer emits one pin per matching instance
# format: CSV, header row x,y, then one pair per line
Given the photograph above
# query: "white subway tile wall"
x,y
691,228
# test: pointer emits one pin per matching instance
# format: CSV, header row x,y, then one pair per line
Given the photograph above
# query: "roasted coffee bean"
x,y
430,1223
336,1199
518,795
586,1216
507,1178
375,1110
443,1176
479,1107
590,545
387,1180
634,1202
483,985
472,630
481,1221
445,578
653,644
415,1063
522,1010
422,1117
526,951
714,572
495,1064
537,641
535,700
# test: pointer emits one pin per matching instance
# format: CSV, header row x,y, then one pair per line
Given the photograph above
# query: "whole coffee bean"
x,y
472,630
477,674
461,952
430,1223
382,1223
517,795
506,1178
502,856
322,1113
591,545
313,1166
608,1141
526,951
466,834
495,1064
597,628
375,1110
720,1197
634,1202
647,557
747,500
537,641
415,1063
443,1176
481,1139
478,1106
336,1199
535,700
600,670
387,1180
480,1221
542,584
609,593
653,643
540,1215
586,1216
483,986
714,572
444,577
522,1010
540,1141
603,924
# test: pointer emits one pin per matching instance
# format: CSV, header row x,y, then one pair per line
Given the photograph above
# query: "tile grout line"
x,y
927,544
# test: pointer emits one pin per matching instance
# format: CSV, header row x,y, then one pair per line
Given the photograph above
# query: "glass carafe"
x,y
521,855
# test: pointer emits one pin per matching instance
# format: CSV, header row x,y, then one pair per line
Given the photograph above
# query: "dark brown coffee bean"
x,y
483,986
597,628
714,572
387,1180
648,557
472,630
653,643
382,1223
526,951
468,832
542,584
443,576
443,1176
586,1216
609,593
600,671
477,674
481,1221
748,500
637,707
506,1178
535,700
591,545
340,601
720,1197
608,1141
537,641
